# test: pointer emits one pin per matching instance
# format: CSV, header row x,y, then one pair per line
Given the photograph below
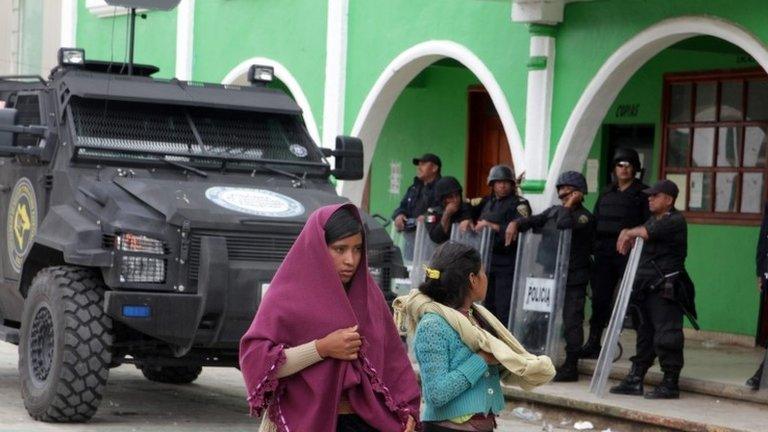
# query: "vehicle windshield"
x,y
136,130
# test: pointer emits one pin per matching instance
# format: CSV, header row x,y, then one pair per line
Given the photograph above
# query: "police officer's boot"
x,y
569,371
632,384
754,382
591,350
668,388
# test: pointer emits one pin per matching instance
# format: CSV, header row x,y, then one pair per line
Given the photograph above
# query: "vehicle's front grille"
x,y
241,246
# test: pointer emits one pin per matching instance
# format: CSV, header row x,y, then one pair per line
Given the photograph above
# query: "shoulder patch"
x,y
476,201
583,219
522,209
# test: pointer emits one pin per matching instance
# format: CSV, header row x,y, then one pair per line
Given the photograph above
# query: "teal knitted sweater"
x,y
454,380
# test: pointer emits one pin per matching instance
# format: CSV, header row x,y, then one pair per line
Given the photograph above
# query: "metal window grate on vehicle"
x,y
170,129
255,247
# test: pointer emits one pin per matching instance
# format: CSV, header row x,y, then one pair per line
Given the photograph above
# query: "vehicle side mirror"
x,y
349,158
7,118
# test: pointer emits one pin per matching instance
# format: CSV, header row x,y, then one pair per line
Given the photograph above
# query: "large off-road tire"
x,y
171,374
64,348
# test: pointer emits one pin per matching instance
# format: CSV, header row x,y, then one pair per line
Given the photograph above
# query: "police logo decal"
x,y
522,209
298,150
21,225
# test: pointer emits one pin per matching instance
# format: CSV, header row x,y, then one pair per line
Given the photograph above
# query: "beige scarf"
x,y
521,367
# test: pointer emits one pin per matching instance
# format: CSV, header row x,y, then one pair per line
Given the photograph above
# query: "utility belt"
x,y
671,286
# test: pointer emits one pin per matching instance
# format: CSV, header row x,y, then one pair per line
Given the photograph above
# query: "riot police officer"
x,y
621,205
452,209
571,188
662,293
420,195
496,211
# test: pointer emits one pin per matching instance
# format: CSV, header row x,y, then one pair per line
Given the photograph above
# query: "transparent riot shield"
x,y
538,292
608,352
423,248
405,240
480,241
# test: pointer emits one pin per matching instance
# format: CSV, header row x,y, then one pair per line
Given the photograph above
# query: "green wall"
x,y
105,38
723,284
429,116
291,32
377,35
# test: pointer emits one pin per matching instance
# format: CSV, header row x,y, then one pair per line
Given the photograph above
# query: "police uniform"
x,y
435,214
662,294
501,211
761,270
417,199
615,210
582,225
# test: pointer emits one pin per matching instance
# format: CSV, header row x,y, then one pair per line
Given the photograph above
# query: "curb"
x,y
692,385
612,411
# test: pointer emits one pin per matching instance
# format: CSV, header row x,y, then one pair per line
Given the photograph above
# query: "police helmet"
x,y
500,172
627,155
446,186
572,178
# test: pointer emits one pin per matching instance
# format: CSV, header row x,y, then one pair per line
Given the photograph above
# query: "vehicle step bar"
x,y
9,334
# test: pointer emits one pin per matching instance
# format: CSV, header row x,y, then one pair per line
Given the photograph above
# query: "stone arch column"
x,y
590,110
396,76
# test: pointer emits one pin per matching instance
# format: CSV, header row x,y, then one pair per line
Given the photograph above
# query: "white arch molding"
x,y
590,110
401,71
238,74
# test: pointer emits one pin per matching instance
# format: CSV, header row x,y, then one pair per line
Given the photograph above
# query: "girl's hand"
x,y
342,344
488,357
411,425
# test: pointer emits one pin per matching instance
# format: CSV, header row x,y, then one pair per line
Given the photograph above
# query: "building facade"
x,y
544,85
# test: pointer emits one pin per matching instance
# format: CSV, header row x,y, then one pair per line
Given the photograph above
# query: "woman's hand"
x,y
488,357
342,344
411,425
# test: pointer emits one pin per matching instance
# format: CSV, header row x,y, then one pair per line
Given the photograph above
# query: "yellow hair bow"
x,y
432,273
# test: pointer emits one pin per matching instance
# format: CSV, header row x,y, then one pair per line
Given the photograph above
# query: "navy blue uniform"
x,y
582,225
417,199
501,275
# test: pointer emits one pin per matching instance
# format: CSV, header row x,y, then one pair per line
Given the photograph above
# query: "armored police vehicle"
x,y
144,220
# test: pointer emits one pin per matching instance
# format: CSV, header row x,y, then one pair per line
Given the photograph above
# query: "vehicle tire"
x,y
64,346
171,374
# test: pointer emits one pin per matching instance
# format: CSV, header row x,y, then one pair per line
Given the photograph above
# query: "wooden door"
x,y
486,144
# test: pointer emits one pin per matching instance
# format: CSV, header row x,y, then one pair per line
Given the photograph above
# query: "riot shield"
x,y
480,241
608,352
423,248
405,240
538,292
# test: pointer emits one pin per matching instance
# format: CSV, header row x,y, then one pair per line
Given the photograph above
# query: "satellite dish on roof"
x,y
145,4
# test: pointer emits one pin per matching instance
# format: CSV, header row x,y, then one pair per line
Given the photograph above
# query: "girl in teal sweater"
x,y
460,389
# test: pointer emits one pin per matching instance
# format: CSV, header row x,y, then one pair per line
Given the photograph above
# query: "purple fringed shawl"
x,y
306,301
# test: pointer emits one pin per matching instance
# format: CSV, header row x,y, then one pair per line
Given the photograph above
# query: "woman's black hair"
x,y
455,262
340,225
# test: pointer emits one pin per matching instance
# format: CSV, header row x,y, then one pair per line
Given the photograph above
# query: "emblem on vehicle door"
x,y
21,226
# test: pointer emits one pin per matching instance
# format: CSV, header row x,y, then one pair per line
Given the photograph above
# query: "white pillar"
x,y
538,118
185,24
68,36
335,71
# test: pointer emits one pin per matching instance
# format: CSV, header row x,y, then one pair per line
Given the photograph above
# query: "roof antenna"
x,y
143,4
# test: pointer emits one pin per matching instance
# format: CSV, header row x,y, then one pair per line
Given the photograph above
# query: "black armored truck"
x,y
144,220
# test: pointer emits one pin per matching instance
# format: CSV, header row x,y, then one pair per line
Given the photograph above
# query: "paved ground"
x,y
215,402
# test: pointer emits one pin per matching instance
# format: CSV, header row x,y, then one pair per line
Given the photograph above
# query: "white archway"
x,y
238,76
589,112
401,71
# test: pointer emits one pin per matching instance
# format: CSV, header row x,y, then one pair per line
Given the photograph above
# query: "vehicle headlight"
x,y
134,268
139,243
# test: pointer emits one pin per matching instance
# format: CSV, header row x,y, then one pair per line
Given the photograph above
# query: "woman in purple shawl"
x,y
323,353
